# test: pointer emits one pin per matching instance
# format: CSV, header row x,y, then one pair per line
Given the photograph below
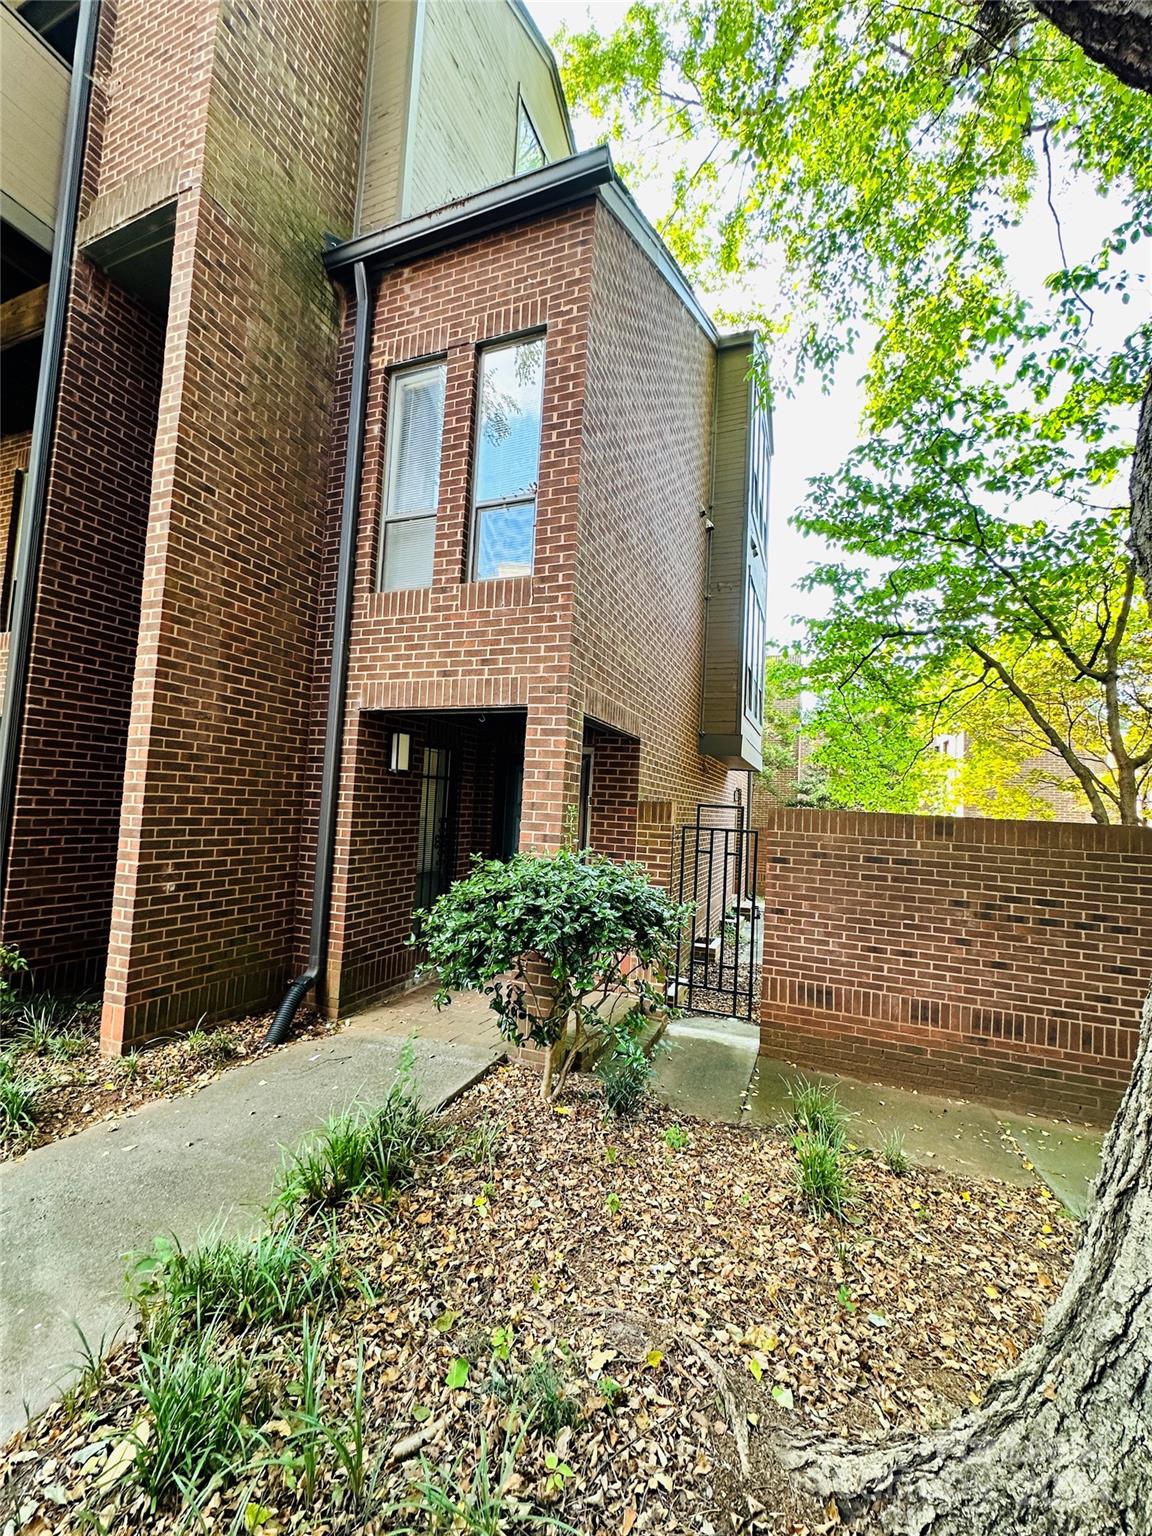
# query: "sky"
x,y
815,431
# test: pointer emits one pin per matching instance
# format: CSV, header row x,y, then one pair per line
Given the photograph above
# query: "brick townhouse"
x,y
388,496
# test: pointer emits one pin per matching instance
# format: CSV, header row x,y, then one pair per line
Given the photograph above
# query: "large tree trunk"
x,y
1114,33
1062,1445
1140,536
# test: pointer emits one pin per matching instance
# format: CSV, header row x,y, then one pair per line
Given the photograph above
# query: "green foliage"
x,y
821,1175
677,1139
817,1111
18,1101
625,1070
476,1494
199,1423
593,927
364,1152
212,1047
12,966
541,1392
896,1160
230,1280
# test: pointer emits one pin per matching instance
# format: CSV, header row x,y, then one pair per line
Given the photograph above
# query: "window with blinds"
x,y
507,459
412,477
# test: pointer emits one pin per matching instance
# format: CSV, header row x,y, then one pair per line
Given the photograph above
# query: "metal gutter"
x,y
557,185
27,560
338,675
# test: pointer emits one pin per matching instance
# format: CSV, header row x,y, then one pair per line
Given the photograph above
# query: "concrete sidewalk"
x,y
711,1069
71,1211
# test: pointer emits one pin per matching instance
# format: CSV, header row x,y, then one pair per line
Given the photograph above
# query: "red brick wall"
x,y
62,855
211,825
994,959
615,793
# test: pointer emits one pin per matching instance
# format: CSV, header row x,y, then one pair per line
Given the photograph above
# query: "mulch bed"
x,y
87,1088
669,1272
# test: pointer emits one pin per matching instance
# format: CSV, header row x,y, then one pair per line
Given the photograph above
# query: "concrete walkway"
x,y
711,1070
70,1212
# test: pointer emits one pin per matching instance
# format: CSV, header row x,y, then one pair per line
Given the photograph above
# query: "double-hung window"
x,y
412,477
507,459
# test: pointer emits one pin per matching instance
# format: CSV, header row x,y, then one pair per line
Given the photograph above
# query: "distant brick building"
x,y
384,476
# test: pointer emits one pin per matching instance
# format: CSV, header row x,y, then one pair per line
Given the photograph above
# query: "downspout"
x,y
338,678
27,554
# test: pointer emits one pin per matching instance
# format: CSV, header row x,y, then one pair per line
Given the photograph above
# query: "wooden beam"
x,y
23,316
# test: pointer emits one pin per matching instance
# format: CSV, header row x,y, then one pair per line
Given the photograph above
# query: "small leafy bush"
x,y
362,1152
200,1412
596,929
12,966
625,1073
19,1094
268,1280
895,1158
817,1111
821,1175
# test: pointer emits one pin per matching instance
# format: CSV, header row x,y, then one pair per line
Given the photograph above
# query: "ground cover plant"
x,y
506,1347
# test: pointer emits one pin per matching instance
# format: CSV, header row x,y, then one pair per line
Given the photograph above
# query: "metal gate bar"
x,y
714,867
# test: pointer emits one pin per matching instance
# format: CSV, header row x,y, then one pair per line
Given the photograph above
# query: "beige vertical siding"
x,y
453,129
33,104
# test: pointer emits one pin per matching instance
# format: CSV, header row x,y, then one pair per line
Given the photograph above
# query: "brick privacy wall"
x,y
62,855
211,823
615,793
13,456
993,959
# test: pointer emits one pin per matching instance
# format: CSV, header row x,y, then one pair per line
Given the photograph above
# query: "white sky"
x,y
814,432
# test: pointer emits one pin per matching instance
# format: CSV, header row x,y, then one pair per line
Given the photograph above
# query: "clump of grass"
x,y
264,1281
817,1111
821,1175
895,1158
362,1152
47,1026
479,1142
128,1068
476,1494
200,1410
625,1074
212,1047
19,1095
540,1392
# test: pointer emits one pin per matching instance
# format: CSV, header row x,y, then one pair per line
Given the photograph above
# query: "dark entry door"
x,y
436,853
718,961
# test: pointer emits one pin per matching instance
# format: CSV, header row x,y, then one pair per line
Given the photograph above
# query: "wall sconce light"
x,y
401,751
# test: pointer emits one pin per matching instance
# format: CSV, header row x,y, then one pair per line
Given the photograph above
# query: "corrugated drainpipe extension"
x,y
338,679
27,560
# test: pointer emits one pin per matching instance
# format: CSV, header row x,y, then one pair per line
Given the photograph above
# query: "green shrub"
x,y
200,1408
18,1100
817,1111
595,927
12,966
362,1152
625,1075
212,1047
268,1280
47,1026
820,1174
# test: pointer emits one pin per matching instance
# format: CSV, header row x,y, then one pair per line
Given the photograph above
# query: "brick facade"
x,y
1005,960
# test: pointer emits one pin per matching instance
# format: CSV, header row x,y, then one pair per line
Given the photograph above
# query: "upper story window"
x,y
755,640
530,154
412,477
507,459
56,21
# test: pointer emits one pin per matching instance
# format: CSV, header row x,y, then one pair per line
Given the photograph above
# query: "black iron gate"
x,y
714,864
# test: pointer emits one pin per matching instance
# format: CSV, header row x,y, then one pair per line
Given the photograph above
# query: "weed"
x,y
844,1299
817,1111
611,1391
18,1096
91,1374
613,1204
199,1409
676,1138
47,1026
821,1175
894,1155
625,1075
479,1142
542,1394
556,1473
211,1047
361,1152
268,1280
12,964
479,1502
317,1440
128,1068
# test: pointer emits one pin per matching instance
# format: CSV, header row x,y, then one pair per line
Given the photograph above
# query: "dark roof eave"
x,y
558,185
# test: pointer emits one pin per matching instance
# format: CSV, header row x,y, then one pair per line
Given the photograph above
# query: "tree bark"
x,y
1140,482
1114,33
1062,1444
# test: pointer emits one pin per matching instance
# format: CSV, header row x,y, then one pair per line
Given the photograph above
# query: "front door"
x,y
436,853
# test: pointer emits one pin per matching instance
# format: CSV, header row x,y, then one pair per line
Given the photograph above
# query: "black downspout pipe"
x,y
338,678
27,554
